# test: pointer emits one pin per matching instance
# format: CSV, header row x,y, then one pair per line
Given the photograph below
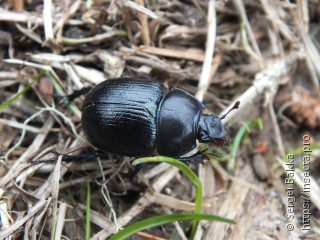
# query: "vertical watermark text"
x,y
305,191
289,183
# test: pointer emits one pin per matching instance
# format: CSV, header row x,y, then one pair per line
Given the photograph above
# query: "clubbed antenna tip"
x,y
235,106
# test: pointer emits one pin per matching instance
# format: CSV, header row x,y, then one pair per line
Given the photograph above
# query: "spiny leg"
x,y
77,93
135,171
72,158
198,157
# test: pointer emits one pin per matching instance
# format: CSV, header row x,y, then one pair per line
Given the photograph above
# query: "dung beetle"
x,y
135,117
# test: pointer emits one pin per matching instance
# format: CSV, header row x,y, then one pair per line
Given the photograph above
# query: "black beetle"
x,y
135,117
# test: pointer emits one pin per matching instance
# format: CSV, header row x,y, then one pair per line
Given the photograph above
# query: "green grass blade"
x,y
22,92
240,136
183,168
163,219
189,174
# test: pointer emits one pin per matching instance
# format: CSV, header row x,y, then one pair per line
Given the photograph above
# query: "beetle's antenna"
x,y
235,106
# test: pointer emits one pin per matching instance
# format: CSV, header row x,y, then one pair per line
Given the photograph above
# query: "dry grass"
x,y
263,53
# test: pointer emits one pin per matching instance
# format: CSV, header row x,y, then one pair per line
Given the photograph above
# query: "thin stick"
x,y
206,67
47,17
265,81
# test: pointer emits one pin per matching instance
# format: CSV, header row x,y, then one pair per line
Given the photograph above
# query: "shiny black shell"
x,y
119,116
133,117
178,118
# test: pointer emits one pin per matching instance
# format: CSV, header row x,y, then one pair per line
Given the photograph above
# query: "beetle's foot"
x,y
135,171
198,157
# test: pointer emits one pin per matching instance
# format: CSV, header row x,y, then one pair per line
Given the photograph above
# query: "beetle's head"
x,y
211,130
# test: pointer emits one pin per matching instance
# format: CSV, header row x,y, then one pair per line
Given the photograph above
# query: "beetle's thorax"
x,y
211,130
177,120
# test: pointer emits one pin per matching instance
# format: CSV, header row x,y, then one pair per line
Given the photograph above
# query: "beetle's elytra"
x,y
134,117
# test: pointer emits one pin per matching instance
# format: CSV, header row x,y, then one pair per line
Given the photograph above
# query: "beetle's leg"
x,y
72,158
135,171
84,156
198,157
75,94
